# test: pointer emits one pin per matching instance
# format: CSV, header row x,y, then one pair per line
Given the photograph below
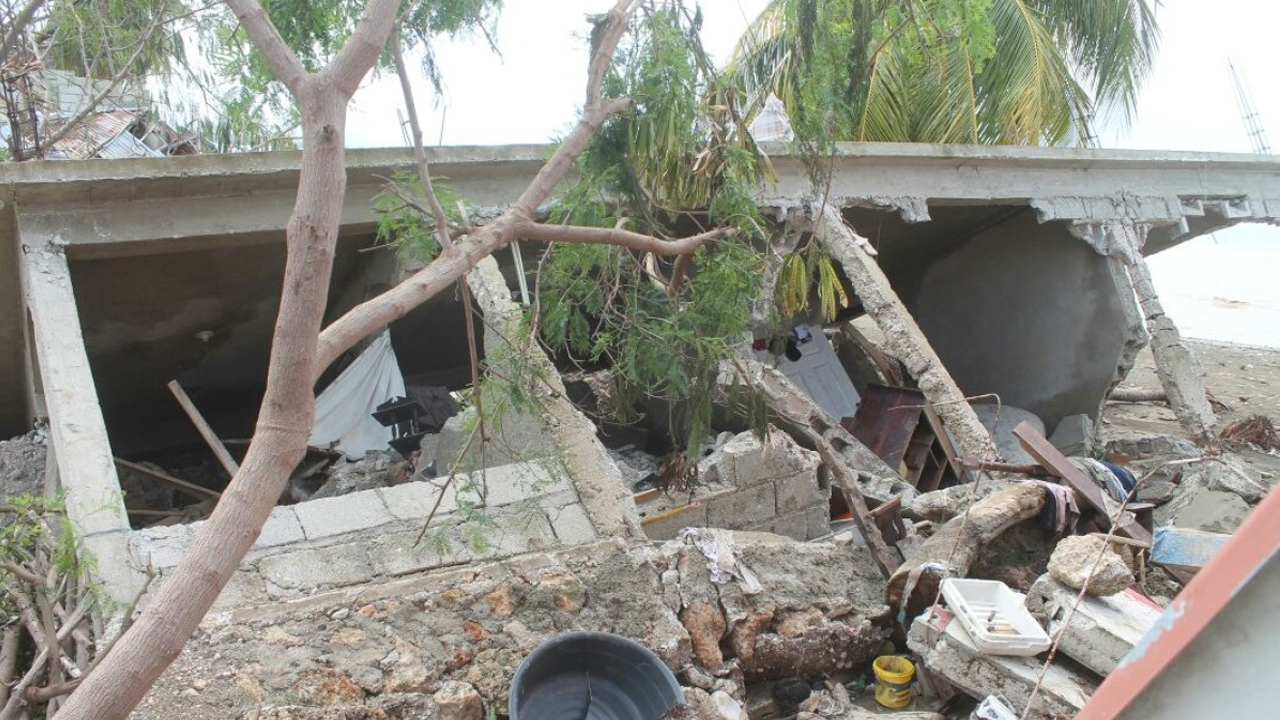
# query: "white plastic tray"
x,y
995,617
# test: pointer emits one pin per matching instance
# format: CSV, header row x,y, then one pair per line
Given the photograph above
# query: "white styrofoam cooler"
x,y
995,617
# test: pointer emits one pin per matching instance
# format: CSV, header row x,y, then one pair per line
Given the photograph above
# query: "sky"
x,y
1218,287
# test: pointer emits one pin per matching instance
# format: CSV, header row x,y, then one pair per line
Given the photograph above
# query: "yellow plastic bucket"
x,y
893,680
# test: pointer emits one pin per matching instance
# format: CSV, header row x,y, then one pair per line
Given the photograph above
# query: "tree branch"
x,y
624,238
361,50
18,24
565,155
284,63
604,40
419,152
365,318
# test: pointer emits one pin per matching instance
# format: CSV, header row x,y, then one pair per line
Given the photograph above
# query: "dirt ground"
x,y
1245,380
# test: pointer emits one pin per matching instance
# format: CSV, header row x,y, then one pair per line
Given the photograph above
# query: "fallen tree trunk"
x,y
956,546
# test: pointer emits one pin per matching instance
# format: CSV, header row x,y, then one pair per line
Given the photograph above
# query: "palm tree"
x,y
1023,72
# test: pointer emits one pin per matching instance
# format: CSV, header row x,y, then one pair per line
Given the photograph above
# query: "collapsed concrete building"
x,y
1019,267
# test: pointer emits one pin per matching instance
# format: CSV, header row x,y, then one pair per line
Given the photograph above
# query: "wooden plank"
x,y
211,439
646,495
669,513
886,420
866,525
183,485
1059,466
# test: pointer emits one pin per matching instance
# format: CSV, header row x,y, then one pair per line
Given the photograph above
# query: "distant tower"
x,y
1252,123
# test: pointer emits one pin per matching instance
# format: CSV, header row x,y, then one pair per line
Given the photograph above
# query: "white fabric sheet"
x,y
343,410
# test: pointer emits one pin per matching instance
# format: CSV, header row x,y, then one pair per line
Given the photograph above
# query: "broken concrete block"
x,y
378,468
507,484
517,437
798,492
884,489
1074,558
745,460
302,571
742,508
1225,475
1157,492
1009,417
161,547
282,527
571,524
1103,629
338,515
399,554
1074,436
1204,509
414,500
947,651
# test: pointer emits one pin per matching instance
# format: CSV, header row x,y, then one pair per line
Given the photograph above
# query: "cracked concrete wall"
x,y
596,478
748,484
371,536
1028,311
368,649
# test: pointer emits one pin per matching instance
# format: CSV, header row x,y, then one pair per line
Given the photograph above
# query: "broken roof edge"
x,y
283,166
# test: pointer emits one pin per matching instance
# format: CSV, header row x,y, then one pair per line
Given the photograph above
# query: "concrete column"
x,y
606,499
903,336
86,469
1177,367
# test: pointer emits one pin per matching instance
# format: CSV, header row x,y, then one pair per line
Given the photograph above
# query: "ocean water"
x,y
1224,287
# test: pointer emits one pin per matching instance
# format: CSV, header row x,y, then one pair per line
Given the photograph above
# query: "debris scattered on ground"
x,y
1255,430
949,653
1102,630
378,468
22,464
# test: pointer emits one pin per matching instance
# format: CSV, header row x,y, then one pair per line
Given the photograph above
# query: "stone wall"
x,y
418,647
369,536
749,484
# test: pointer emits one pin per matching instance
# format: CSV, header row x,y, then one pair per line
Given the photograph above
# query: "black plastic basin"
x,y
592,676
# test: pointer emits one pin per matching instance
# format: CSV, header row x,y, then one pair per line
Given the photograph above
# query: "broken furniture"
x,y
404,417
892,422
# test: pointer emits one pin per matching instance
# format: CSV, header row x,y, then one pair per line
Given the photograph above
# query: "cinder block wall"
x,y
370,536
750,484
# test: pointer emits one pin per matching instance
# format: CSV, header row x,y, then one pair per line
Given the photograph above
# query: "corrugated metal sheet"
x,y
104,135
125,145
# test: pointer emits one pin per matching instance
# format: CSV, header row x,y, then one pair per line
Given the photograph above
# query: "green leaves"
x,y
402,224
972,71
682,161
